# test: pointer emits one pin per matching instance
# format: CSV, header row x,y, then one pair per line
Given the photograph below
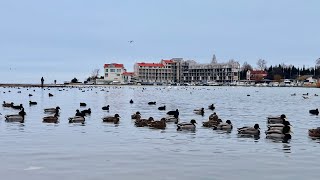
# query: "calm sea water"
x,y
97,150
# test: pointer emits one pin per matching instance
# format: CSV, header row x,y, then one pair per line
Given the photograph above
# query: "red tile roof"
x,y
150,64
113,65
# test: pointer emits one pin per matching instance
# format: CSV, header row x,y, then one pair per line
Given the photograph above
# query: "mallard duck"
x,y
51,110
77,119
16,117
158,124
152,103
314,111
106,108
50,95
136,115
250,130
187,126
7,104
314,132
51,119
162,108
224,126
283,134
211,123
115,119
276,119
199,111
143,122
171,118
279,128
211,107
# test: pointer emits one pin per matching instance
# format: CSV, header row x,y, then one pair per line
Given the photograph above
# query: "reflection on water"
x,y
97,150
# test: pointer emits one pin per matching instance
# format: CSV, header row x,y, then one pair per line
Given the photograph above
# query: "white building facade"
x,y
113,72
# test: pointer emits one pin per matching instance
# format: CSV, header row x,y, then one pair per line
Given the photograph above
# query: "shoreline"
x,y
28,85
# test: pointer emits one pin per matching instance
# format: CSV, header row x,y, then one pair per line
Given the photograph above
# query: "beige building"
x,y
154,72
181,71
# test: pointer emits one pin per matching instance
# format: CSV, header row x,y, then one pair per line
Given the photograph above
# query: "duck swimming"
x,y
314,111
77,119
162,108
314,132
250,130
136,115
276,120
7,104
143,122
187,126
275,134
51,119
16,117
199,111
106,108
115,119
224,126
52,110
158,124
211,107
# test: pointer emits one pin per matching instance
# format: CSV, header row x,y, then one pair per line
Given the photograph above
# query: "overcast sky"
x,y
60,39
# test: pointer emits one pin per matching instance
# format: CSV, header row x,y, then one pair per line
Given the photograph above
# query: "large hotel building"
x,y
177,70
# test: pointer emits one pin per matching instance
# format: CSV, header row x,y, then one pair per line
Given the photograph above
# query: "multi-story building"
x,y
154,72
180,71
113,72
217,72
116,73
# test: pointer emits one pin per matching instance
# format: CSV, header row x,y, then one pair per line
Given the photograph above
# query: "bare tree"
x,y
262,64
95,74
246,66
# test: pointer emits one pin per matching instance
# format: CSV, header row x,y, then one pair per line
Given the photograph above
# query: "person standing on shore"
x,y
42,80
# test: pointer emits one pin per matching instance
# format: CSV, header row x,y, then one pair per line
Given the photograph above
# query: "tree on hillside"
x,y
262,64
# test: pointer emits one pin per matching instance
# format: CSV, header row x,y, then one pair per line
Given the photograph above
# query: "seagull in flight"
x,y
131,41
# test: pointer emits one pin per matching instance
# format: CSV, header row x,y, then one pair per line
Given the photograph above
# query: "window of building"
x,y
118,74
112,70
118,70
106,75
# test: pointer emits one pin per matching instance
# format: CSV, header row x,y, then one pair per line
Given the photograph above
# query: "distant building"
x,y
256,75
154,72
128,77
177,70
114,72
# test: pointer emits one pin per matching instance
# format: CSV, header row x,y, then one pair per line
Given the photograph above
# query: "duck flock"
x,y
278,127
